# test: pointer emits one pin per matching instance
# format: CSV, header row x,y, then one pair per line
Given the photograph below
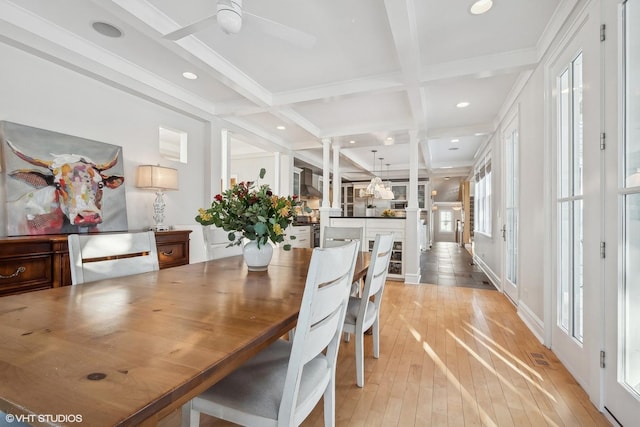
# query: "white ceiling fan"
x,y
230,18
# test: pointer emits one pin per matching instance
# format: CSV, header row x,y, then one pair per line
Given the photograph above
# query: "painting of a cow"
x,y
65,193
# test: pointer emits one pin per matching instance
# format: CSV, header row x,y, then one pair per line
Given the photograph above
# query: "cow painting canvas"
x,y
57,183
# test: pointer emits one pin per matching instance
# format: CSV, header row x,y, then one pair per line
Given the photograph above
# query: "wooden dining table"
x,y
130,350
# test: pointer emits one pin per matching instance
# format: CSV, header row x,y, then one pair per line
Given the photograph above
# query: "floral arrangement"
x,y
252,210
388,212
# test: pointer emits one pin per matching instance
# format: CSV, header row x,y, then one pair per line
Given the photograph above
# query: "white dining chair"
x,y
282,384
337,236
364,312
107,255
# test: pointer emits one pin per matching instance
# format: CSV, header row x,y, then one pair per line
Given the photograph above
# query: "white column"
x,y
325,209
277,165
412,223
326,168
337,180
224,158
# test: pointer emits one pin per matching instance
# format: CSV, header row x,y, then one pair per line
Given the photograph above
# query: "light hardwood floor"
x,y
452,356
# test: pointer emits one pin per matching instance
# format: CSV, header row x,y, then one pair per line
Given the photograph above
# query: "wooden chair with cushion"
x,y
364,312
107,255
282,384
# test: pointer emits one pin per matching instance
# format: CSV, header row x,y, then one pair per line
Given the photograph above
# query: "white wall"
x,y
247,168
531,221
45,95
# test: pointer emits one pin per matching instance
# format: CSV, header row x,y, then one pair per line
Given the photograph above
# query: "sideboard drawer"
x,y
173,248
21,274
172,254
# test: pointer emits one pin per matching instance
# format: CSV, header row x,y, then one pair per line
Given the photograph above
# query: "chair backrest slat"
x,y
102,256
338,236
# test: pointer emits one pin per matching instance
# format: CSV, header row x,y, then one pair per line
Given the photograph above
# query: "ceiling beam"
x,y
404,28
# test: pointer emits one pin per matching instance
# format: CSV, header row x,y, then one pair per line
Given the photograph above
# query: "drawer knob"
x,y
15,274
167,253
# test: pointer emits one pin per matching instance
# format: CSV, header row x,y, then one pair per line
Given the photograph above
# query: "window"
x,y
446,221
630,194
483,194
173,144
570,199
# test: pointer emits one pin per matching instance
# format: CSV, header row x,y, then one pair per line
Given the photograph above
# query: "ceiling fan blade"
x,y
191,28
281,31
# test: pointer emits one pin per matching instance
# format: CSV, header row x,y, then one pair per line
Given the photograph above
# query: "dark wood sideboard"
x,y
29,263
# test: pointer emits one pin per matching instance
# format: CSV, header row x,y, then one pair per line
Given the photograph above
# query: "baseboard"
x,y
535,325
412,279
493,277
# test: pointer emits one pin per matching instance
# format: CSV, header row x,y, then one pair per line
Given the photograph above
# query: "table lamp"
x,y
160,179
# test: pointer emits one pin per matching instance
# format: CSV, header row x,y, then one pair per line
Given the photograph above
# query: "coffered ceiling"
x,y
375,70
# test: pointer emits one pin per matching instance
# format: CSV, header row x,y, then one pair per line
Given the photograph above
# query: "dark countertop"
x,y
371,217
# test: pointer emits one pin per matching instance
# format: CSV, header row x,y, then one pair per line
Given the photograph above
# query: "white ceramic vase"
x,y
257,259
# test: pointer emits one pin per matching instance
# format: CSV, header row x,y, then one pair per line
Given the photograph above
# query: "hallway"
x,y
448,264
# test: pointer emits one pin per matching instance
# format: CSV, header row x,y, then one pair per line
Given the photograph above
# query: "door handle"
x,y
504,232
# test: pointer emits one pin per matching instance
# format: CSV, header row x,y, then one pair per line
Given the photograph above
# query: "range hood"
x,y
306,185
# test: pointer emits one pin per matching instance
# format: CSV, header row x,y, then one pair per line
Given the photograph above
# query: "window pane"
x,y
488,204
446,221
563,136
564,264
630,339
577,270
577,125
632,292
632,93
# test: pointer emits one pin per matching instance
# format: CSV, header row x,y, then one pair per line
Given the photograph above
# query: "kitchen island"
x,y
376,225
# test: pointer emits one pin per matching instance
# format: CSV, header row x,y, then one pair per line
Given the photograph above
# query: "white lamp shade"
x,y
157,177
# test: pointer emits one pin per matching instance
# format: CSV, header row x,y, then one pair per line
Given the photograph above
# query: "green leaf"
x,y
231,236
292,237
262,172
260,228
287,247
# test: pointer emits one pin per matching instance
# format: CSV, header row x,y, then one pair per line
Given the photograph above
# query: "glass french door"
x,y
510,227
622,200
575,96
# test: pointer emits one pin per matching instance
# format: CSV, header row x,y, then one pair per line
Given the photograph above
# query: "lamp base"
x,y
159,228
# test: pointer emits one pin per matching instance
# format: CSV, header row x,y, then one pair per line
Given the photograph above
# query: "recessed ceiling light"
x,y
455,140
479,134
447,167
189,75
107,29
447,178
388,141
352,142
480,7
280,127
453,148
462,104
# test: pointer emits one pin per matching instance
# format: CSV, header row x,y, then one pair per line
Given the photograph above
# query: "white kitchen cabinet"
x,y
297,172
302,234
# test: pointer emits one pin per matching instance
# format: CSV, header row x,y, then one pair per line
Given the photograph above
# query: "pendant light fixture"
x,y
376,188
